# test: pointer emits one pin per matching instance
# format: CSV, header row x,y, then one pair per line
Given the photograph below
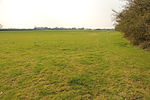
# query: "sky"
x,y
58,13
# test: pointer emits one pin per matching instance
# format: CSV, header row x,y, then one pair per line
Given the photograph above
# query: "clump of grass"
x,y
59,63
86,62
80,80
102,67
139,77
43,92
53,78
121,44
16,72
28,64
38,68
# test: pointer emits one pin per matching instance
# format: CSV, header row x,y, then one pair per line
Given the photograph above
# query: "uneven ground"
x,y
72,65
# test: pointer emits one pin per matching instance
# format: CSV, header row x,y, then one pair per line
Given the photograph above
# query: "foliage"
x,y
134,22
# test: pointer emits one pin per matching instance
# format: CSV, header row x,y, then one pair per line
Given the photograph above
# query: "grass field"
x,y
72,65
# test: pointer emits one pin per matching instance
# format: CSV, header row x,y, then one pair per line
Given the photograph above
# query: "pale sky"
x,y
58,13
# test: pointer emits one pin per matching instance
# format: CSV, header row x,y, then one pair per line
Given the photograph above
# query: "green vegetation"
x,y
134,22
72,65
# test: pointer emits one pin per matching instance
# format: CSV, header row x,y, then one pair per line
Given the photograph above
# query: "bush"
x,y
134,22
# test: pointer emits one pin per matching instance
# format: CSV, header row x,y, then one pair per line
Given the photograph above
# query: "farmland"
x,y
72,65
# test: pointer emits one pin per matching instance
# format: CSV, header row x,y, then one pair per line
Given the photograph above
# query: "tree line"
x,y
134,22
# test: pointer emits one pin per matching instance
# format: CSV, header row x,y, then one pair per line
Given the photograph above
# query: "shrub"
x,y
134,22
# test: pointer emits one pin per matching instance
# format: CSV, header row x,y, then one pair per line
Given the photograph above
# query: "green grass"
x,y
72,65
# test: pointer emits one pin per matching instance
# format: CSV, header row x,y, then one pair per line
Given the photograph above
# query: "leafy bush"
x,y
134,22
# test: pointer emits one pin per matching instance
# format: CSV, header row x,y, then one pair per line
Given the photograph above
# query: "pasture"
x,y
72,65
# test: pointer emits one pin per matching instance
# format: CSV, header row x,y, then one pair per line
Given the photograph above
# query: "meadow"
x,y
72,65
